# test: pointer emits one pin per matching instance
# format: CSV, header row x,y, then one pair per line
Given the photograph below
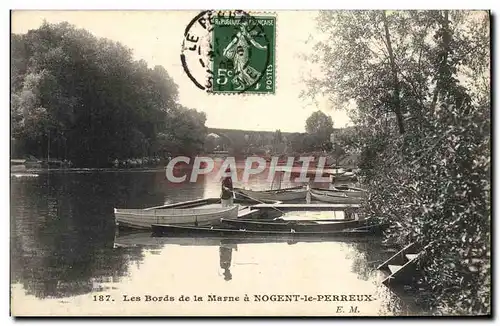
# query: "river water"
x,y
68,259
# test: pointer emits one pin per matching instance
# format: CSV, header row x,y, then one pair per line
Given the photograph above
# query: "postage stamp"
x,y
244,58
231,52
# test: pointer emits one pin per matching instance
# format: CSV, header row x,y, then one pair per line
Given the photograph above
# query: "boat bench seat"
x,y
246,213
394,268
411,256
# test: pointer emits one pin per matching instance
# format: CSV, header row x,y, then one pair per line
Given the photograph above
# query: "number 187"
x,y
102,297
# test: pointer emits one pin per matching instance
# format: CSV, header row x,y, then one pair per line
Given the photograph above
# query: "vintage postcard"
x,y
250,163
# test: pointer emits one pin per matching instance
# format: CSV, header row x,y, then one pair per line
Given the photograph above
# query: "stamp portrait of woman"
x,y
239,51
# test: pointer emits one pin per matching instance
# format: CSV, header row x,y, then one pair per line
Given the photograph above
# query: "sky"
x,y
156,37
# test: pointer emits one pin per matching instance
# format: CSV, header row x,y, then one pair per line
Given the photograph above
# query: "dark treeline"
x,y
81,98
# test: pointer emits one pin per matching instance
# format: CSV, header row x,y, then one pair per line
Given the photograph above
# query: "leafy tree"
x,y
187,131
420,82
84,99
319,126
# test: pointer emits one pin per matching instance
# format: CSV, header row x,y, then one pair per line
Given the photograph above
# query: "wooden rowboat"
x,y
285,194
202,211
343,190
297,225
144,218
179,230
278,193
332,197
345,187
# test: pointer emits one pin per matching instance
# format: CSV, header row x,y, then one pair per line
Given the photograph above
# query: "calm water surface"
x,y
65,251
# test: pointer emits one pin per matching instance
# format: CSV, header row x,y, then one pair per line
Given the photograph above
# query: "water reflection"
x,y
64,244
226,253
62,227
273,266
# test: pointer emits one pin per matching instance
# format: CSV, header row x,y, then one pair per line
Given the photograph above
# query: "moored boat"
x,y
297,225
278,193
333,197
179,230
341,190
345,187
144,218
201,211
284,194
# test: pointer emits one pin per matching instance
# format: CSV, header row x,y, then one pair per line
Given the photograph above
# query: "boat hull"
x,y
296,225
144,218
328,197
178,230
349,192
297,193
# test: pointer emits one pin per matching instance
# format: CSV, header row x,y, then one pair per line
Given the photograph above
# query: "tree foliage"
x,y
319,127
420,81
85,99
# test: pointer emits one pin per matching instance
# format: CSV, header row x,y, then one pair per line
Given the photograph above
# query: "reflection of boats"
x,y
297,225
195,212
342,190
145,239
24,175
332,197
285,194
179,230
17,165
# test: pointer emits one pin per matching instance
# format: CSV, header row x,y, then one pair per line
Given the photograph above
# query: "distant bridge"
x,y
239,137
236,136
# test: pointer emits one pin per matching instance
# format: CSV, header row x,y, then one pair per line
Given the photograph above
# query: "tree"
x,y
86,100
319,126
419,80
187,131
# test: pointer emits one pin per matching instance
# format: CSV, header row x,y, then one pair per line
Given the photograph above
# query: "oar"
x,y
244,195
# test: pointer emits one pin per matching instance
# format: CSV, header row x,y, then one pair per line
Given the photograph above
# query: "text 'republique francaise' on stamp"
x,y
231,52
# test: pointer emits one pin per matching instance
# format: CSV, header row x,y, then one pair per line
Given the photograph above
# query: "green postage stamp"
x,y
244,54
228,52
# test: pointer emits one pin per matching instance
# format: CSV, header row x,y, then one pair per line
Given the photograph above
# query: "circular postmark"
x,y
227,51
